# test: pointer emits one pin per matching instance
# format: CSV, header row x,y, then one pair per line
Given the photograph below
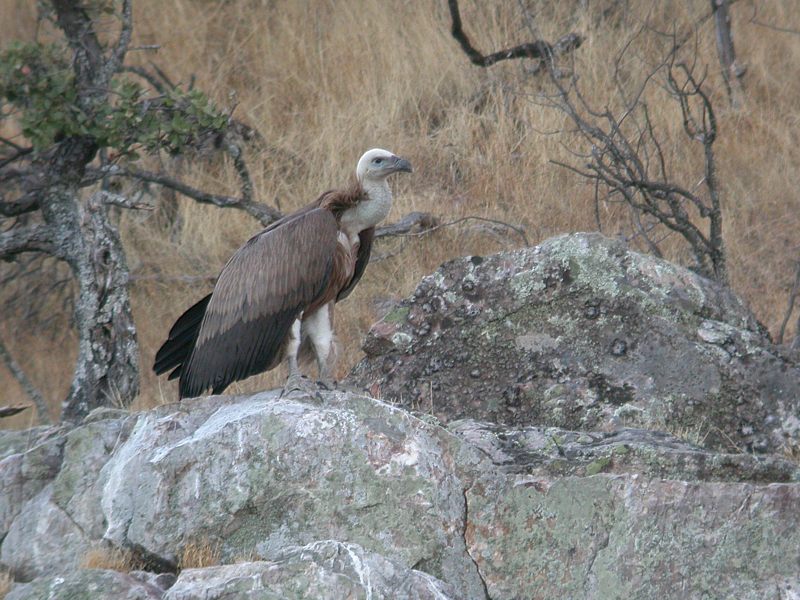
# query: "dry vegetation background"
x,y
324,80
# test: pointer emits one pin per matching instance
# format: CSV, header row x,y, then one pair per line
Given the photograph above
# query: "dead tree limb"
x,y
263,213
539,49
10,411
731,71
423,221
397,229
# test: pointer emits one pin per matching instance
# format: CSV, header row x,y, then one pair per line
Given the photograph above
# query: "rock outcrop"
x,y
578,492
354,497
584,334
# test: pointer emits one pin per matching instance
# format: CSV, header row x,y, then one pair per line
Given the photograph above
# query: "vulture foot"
x,y
298,384
327,384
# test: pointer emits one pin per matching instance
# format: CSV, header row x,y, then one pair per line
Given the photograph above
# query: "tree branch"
x,y
425,221
10,411
241,169
25,204
263,213
536,50
731,71
414,218
16,156
117,57
35,238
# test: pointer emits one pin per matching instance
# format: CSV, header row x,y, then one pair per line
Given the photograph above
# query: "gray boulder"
x,y
254,475
43,540
327,570
584,334
88,584
32,459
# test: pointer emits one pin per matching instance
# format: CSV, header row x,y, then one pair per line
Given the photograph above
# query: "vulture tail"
x,y
174,353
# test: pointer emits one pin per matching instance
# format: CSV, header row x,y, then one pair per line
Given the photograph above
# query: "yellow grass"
x,y
324,80
114,559
6,581
199,554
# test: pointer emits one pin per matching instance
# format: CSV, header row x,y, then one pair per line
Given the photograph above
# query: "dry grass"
x,y
198,554
6,581
323,81
114,559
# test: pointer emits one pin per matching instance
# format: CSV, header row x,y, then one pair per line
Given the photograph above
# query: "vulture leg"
x,y
295,382
319,328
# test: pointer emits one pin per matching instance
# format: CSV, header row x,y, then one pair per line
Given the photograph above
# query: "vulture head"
x,y
372,171
376,165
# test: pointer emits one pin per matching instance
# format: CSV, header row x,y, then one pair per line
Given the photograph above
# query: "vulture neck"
x,y
370,211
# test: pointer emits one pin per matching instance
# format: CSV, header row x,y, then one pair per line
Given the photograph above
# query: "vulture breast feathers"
x,y
294,266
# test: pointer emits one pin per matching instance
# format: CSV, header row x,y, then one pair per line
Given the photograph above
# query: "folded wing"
x,y
262,289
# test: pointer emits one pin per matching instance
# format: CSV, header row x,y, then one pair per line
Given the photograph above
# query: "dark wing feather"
x,y
364,250
180,341
259,294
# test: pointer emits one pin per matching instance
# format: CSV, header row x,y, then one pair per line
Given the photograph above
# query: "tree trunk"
x,y
107,369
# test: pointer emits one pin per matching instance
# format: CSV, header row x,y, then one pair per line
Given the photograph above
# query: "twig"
x,y
182,278
246,184
25,383
731,71
754,21
519,230
12,208
19,154
110,198
10,411
422,219
147,76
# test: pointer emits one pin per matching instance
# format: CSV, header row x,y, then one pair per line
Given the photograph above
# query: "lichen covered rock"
x,y
584,334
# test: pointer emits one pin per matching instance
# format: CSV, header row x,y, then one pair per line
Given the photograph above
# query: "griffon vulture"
x,y
278,290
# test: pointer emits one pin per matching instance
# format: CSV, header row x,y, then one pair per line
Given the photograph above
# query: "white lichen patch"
x,y
402,341
526,284
314,424
536,342
715,332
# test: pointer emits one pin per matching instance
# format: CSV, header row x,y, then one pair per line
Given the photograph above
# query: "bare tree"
x,y
621,154
74,105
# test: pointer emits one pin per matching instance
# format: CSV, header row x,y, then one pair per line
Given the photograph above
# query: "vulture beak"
x,y
401,164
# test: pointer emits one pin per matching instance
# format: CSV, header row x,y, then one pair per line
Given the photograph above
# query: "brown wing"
x,y
174,353
364,249
259,294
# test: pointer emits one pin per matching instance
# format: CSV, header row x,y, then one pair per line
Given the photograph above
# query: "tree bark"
x,y
107,370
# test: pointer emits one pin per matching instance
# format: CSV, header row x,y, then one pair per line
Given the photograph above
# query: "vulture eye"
x,y
378,161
